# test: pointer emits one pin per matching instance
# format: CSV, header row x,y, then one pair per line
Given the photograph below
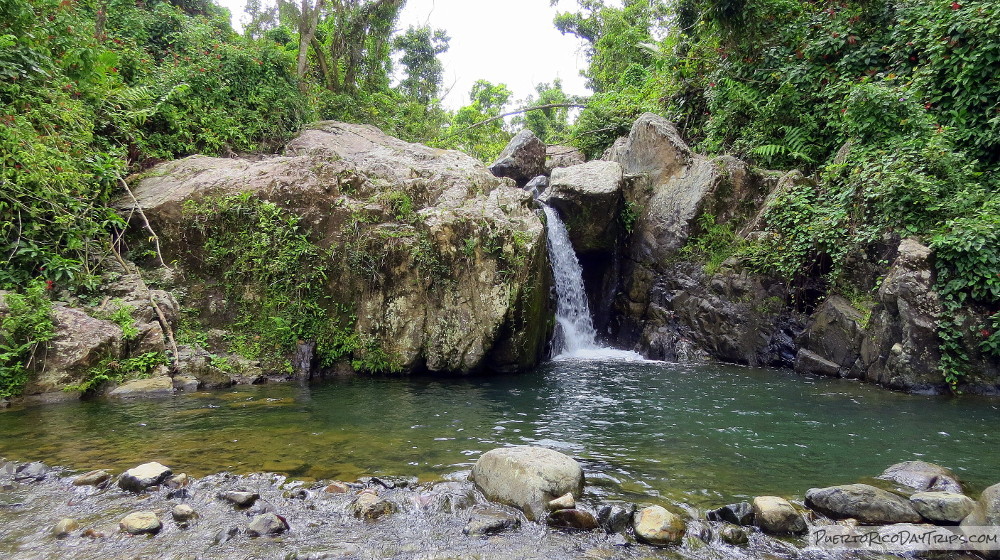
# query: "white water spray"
x,y
575,336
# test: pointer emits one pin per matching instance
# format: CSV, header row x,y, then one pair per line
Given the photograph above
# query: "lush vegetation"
x,y
894,105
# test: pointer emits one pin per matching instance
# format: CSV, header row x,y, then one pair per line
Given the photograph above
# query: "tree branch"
x,y
518,112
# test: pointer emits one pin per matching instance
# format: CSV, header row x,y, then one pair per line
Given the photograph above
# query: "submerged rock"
x,y
734,535
572,519
142,477
865,503
490,522
737,514
777,516
922,477
139,523
31,472
159,386
657,526
183,512
616,518
527,478
92,478
240,499
64,527
370,507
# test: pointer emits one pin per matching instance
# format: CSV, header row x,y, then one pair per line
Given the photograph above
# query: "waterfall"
x,y
575,336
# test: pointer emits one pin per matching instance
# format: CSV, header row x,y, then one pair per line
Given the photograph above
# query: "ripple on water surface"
x,y
701,434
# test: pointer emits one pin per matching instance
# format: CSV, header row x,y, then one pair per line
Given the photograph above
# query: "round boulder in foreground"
x,y
657,526
140,523
527,478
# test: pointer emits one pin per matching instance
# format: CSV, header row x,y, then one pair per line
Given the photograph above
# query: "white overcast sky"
x,y
504,41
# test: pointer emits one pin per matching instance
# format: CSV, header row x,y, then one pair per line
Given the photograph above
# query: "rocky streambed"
x,y
522,502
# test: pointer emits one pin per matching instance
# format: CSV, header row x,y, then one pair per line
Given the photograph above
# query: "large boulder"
x,y
81,342
986,514
562,156
154,387
922,477
527,478
777,516
589,198
442,264
522,160
943,507
831,342
863,502
142,477
901,350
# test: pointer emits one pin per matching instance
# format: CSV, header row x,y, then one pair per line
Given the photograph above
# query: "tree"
x,y
550,124
421,47
484,142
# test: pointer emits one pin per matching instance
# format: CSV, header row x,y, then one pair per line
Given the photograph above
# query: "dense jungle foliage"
x,y
893,106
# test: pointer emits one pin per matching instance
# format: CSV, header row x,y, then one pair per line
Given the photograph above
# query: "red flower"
x,y
927,105
49,284
955,5
985,333
711,84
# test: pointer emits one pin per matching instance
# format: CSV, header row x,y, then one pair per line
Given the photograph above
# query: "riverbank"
x,y
152,512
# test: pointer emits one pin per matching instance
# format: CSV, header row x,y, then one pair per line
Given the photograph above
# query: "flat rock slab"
x,y
923,477
865,503
154,387
140,523
943,507
527,478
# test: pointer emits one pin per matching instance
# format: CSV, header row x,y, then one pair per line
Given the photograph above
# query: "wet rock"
x,y
92,478
186,383
177,481
239,499
589,199
737,514
734,535
268,524
64,527
831,343
537,185
566,501
154,387
942,507
139,523
225,535
142,477
616,518
183,512
370,507
31,472
986,514
657,526
572,519
527,478
522,159
180,494
867,504
448,497
390,482
777,516
337,487
297,494
923,477
260,507
562,156
490,522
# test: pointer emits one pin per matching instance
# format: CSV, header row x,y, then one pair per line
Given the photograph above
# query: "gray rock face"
x,y
943,507
777,516
268,524
562,156
865,503
901,350
589,199
81,342
922,477
831,343
458,285
527,478
140,523
139,478
522,159
657,526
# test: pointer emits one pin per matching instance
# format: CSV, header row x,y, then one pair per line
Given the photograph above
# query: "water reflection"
x,y
700,434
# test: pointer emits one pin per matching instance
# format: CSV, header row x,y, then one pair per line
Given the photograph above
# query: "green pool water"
x,y
697,434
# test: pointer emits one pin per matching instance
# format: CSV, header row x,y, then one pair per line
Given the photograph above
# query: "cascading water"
x,y
575,336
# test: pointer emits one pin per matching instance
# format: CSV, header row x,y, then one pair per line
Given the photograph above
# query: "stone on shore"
x,y
867,504
142,477
777,516
64,527
943,507
657,526
572,519
527,478
140,523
